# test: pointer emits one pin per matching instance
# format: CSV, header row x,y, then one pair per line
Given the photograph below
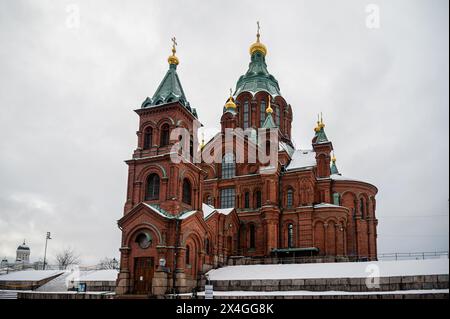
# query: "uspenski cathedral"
x,y
183,218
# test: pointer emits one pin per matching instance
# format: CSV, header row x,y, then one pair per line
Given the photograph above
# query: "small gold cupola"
x,y
269,109
230,102
173,58
258,46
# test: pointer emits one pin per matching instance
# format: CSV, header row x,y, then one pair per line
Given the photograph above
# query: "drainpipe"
x,y
280,204
175,254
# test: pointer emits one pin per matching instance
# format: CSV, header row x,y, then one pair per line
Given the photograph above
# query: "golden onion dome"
x,y
258,46
172,58
317,128
230,102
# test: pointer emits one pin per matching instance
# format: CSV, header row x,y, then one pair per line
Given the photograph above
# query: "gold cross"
x,y
174,41
257,23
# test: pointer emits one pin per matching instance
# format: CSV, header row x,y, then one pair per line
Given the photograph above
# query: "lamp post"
x,y
115,263
45,252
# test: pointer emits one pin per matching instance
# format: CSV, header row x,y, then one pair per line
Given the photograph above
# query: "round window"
x,y
144,240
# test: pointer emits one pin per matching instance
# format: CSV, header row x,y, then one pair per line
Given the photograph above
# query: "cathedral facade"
x,y
185,215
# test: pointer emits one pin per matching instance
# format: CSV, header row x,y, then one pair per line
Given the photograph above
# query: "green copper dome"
x,y
257,78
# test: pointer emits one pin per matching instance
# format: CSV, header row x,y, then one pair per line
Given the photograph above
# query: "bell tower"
x,y
162,172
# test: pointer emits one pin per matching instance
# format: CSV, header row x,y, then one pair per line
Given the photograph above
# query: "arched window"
x,y
228,166
246,115
165,134
152,191
187,190
188,255
262,113
290,235
148,136
258,199
252,236
246,200
290,198
361,208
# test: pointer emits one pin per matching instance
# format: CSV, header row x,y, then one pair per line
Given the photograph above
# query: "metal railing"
x,y
242,260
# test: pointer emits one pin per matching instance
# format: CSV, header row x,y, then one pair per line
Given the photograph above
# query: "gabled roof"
x,y
209,210
269,122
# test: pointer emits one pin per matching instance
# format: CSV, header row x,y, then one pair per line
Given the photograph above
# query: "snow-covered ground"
x,y
332,270
100,275
29,275
321,293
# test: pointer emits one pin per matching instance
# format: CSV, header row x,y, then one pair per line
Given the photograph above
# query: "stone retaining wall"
x,y
338,284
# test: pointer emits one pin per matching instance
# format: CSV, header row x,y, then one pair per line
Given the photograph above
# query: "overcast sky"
x,y
68,91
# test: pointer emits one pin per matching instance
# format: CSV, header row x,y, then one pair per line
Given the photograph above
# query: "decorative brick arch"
x,y
138,228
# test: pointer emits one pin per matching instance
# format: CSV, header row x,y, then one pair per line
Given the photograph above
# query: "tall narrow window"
x,y
290,235
152,191
187,190
227,198
247,200
252,237
165,133
277,116
148,136
361,208
290,198
207,246
258,199
191,146
246,115
262,113
188,255
228,166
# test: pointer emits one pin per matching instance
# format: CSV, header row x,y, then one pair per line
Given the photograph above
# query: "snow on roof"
x,y
338,177
207,210
157,211
30,275
331,270
100,275
302,159
187,214
225,211
326,205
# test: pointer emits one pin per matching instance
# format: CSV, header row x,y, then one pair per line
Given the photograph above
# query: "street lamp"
x,y
45,252
115,263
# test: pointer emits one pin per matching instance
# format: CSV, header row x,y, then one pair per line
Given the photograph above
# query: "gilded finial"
x,y
317,128
173,59
333,158
322,125
269,109
202,145
258,46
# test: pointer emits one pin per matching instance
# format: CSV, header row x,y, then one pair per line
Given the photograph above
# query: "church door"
x,y
143,275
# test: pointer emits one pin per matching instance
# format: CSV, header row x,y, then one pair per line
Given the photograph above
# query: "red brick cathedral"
x,y
183,218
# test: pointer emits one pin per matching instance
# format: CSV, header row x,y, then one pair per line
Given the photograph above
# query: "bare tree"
x,y
66,258
108,263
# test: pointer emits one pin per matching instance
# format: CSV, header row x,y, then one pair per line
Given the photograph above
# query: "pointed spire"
x,y
320,136
334,169
170,89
